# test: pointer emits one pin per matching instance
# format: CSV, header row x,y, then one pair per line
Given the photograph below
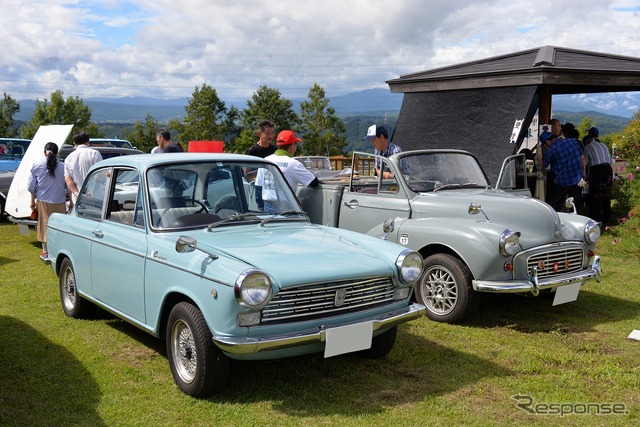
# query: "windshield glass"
x,y
441,170
315,162
13,148
194,195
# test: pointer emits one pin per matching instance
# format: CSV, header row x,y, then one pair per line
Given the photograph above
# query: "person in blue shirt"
x,y
48,190
566,159
379,138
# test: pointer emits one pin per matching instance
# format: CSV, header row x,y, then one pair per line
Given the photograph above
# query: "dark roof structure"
x,y
567,70
486,106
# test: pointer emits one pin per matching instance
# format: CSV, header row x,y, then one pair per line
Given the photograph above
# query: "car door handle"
x,y
98,233
352,204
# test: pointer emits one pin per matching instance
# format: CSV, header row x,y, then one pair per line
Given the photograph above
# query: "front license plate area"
x,y
347,339
567,293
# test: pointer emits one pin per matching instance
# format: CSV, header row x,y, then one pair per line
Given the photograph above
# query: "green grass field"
x,y
573,358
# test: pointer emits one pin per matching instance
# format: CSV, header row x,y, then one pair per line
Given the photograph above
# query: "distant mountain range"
x,y
132,109
367,102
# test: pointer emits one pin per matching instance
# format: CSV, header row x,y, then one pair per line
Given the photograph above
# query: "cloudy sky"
x,y
165,48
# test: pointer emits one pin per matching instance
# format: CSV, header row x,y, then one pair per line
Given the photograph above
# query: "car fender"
x,y
204,295
476,246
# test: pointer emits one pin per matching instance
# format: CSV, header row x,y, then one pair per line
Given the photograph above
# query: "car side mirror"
x,y
186,244
569,204
388,227
475,209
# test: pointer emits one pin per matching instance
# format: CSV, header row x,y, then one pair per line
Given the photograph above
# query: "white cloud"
x,y
164,48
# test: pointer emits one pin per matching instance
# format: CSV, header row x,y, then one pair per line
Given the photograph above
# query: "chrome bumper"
x,y
248,345
533,285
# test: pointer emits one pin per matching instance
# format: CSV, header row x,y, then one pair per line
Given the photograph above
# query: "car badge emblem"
x,y
555,267
566,265
341,295
541,265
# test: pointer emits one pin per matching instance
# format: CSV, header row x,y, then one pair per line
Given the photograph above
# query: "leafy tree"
x,y
242,142
626,144
61,112
267,104
8,108
324,133
205,117
143,135
628,141
584,126
232,129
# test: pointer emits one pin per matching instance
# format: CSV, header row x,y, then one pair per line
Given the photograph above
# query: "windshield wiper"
x,y
440,187
285,213
231,218
474,184
457,185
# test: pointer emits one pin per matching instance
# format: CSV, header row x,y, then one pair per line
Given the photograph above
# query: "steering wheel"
x,y
198,202
227,202
203,208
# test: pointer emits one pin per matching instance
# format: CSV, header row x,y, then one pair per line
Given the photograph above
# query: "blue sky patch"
x,y
627,8
113,26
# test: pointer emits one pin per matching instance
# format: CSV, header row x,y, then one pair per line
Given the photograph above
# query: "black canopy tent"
x,y
474,105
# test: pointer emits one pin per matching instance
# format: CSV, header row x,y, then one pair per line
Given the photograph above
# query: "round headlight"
x,y
510,242
409,264
592,232
253,289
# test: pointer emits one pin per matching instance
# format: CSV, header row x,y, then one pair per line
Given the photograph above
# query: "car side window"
x,y
387,185
91,198
125,198
171,192
138,216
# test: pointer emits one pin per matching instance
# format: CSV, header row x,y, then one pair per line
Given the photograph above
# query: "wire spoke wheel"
x,y
198,367
69,296
73,304
185,352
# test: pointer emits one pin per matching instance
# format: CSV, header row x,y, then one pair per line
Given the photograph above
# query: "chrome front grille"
x,y
557,262
327,299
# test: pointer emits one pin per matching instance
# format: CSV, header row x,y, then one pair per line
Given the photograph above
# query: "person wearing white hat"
x,y
379,138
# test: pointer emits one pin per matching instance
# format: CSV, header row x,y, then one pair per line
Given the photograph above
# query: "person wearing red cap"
x,y
294,172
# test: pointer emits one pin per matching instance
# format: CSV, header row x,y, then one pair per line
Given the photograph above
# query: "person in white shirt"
x,y
78,163
163,139
294,172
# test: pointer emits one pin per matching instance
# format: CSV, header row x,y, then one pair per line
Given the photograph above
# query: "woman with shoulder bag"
x,y
48,191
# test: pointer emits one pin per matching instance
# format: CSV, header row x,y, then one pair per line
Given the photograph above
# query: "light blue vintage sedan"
x,y
177,245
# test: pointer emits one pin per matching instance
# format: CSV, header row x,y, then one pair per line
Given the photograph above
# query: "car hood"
x,y
302,253
531,217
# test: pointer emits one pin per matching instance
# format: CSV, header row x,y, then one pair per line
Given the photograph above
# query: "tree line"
x,y
206,118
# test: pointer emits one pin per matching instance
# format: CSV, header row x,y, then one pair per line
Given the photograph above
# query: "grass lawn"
x,y
574,357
